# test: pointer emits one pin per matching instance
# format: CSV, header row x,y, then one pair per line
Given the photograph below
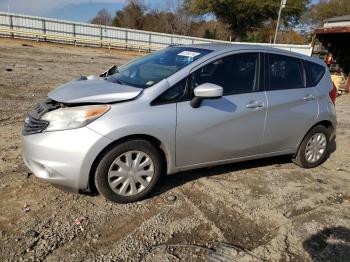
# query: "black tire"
x,y
101,174
300,158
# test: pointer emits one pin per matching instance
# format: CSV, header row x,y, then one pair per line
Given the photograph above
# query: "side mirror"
x,y
110,71
205,91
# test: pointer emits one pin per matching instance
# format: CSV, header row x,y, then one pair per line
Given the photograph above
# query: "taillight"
x,y
333,94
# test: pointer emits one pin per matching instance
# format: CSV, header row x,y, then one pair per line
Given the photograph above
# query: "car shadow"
x,y
174,180
169,182
332,146
330,244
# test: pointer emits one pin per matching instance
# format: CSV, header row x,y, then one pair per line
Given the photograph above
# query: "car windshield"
x,y
151,69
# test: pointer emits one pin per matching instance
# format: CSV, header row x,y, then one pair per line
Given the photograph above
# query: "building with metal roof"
x,y
331,43
343,20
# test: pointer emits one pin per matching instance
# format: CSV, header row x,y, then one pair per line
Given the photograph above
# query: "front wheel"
x,y
314,149
128,172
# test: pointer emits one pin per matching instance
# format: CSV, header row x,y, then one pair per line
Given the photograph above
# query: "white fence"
x,y
53,30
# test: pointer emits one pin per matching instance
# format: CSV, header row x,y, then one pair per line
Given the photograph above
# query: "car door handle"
x,y
309,97
255,104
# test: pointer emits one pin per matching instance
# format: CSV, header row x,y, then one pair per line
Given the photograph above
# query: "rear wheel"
x,y
128,172
314,149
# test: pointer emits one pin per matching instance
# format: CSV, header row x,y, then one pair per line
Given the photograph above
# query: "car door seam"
x,y
265,122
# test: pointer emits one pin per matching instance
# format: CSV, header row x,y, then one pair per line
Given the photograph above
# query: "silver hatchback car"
x,y
181,108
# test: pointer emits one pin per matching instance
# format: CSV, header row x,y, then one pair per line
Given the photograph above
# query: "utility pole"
x,y
283,5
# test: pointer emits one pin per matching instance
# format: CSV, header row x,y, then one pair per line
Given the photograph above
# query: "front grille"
x,y
43,107
39,109
33,124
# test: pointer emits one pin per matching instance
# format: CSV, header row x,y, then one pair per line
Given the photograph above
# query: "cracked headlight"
x,y
73,117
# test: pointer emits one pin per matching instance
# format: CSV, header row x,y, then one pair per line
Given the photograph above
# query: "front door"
x,y
225,128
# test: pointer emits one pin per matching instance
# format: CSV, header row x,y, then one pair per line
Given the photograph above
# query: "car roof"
x,y
224,47
219,47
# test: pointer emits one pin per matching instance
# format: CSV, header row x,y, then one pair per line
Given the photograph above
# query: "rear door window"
x,y
315,73
284,72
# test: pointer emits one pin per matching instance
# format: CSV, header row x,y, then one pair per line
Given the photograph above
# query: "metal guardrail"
x,y
76,40
53,30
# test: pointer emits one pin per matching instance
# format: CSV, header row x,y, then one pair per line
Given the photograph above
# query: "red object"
x,y
329,58
333,94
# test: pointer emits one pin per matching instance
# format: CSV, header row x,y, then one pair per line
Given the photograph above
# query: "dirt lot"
x,y
266,210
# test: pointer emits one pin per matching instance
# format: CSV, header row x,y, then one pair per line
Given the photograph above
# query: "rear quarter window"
x,y
315,73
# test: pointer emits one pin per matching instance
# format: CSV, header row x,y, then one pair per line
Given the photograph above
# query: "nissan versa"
x,y
181,108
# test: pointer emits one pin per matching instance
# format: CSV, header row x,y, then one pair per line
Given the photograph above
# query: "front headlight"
x,y
73,117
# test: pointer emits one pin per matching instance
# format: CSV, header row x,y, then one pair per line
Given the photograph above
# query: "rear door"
x,y
225,128
292,107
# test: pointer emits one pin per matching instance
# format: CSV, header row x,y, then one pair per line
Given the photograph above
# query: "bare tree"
x,y
103,17
177,17
131,16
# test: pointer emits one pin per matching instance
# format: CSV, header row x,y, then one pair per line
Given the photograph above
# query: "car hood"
x,y
93,91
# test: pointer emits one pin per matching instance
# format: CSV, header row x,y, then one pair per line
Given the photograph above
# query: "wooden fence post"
x,y
101,35
149,42
44,28
126,39
11,25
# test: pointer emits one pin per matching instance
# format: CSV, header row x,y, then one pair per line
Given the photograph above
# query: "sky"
x,y
74,10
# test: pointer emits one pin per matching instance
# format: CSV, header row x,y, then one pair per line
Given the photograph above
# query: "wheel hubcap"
x,y
130,173
315,147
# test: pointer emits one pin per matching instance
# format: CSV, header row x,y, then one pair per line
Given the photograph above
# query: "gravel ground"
x,y
265,210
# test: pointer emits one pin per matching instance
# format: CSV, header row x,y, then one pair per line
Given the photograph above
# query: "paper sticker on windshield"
x,y
149,83
189,54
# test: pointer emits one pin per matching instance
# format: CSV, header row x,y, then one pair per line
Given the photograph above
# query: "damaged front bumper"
x,y
63,158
